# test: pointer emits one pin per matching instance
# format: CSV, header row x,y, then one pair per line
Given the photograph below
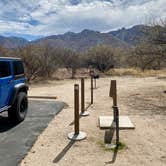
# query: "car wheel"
x,y
18,111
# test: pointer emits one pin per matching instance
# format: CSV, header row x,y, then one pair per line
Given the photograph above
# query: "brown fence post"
x,y
82,95
95,87
110,92
114,92
76,108
83,112
77,134
115,109
91,89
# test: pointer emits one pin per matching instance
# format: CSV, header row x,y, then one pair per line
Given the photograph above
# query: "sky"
x,y
33,19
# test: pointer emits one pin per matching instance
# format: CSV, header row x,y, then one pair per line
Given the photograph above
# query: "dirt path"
x,y
143,99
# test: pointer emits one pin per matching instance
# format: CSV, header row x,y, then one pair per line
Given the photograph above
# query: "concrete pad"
x,y
105,122
85,113
77,137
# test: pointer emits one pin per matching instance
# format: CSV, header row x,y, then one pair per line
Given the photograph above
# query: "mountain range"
x,y
123,38
12,42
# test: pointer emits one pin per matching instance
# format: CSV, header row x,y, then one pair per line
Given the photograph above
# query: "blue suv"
x,y
13,88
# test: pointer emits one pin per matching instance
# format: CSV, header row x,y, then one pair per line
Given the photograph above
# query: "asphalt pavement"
x,y
17,140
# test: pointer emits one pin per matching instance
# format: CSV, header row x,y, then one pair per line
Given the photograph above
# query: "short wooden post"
x,y
82,95
95,83
117,126
114,92
115,109
91,75
83,112
76,108
116,121
110,92
77,135
91,89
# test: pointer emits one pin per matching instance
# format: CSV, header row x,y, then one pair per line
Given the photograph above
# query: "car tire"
x,y
18,111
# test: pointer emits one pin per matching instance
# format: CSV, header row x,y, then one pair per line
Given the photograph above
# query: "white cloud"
x,y
15,27
47,17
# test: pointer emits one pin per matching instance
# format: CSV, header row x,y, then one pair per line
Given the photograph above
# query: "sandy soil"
x,y
142,99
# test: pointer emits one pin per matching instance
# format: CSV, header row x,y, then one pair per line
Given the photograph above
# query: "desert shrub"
x,y
101,57
71,60
3,52
39,61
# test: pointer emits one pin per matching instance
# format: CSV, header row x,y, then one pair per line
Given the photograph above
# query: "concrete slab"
x,y
105,122
85,113
77,137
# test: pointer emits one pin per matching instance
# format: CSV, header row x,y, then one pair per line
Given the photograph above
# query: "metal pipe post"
x,y
82,95
91,89
116,121
95,83
77,135
76,109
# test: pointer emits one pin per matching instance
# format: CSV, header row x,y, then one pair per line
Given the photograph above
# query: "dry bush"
x,y
101,58
147,56
39,61
43,61
4,52
70,60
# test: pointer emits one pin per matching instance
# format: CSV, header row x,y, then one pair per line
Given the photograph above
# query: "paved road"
x,y
16,141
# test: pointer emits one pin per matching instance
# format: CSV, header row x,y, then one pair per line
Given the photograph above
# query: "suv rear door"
x,y
5,82
18,72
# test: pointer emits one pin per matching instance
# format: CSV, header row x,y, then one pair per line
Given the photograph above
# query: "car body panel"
x,y
8,84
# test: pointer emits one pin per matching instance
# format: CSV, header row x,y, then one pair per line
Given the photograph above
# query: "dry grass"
x,y
63,74
137,72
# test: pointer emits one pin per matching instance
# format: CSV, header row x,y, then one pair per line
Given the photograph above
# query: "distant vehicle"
x,y
13,88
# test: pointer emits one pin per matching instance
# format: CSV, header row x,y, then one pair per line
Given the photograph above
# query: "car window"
x,y
18,67
4,69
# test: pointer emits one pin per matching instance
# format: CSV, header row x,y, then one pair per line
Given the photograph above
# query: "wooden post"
x,y
77,135
82,95
95,83
117,127
83,111
116,122
91,89
115,109
110,92
76,109
114,92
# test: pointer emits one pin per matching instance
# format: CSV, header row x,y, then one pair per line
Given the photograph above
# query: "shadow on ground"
x,y
5,124
63,152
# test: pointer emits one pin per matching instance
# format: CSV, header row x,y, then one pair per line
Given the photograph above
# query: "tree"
x,y
70,60
151,53
101,57
32,63
146,56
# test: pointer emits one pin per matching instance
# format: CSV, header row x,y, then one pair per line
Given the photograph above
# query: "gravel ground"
x,y
142,99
